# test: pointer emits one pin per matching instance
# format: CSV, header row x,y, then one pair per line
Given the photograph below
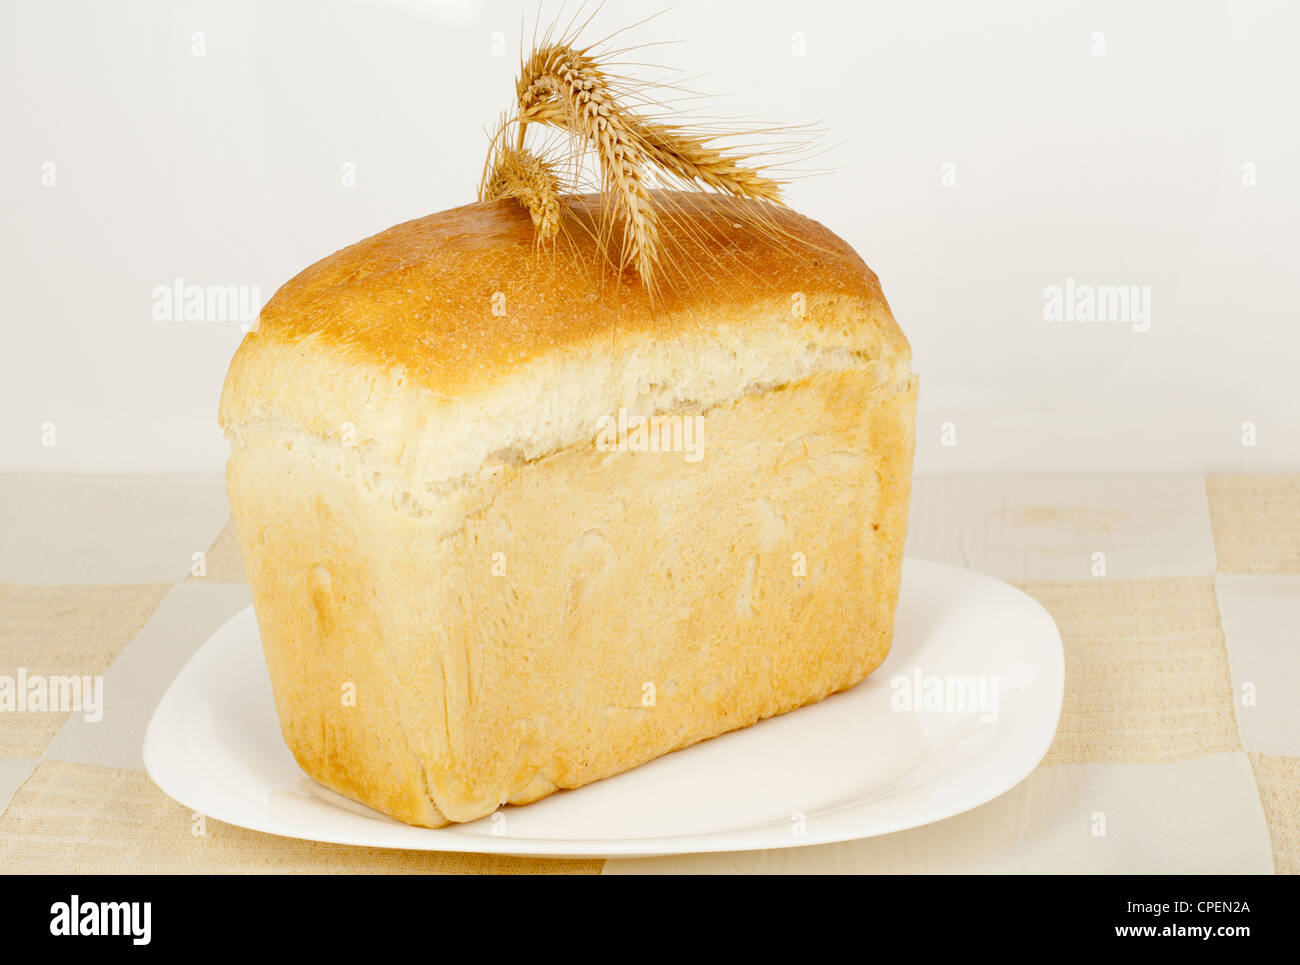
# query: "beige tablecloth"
x,y
1178,748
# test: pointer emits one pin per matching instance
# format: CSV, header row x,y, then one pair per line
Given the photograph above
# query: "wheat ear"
x,y
688,156
694,159
518,173
559,76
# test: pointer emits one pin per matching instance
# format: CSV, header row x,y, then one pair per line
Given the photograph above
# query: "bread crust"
x,y
420,294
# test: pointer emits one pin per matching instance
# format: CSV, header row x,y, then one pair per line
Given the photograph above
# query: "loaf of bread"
x,y
513,522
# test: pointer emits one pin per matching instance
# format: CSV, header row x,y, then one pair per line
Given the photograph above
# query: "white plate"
x,y
851,766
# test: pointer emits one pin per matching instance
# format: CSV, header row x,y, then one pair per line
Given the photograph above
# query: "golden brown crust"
x,y
421,294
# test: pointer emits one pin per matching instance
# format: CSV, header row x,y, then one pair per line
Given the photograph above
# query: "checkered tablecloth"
x,y
1178,749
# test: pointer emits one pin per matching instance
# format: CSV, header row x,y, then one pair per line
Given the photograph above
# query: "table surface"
x,y
1178,750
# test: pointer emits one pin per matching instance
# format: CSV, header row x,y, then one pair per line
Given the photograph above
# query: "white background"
x,y
1125,168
